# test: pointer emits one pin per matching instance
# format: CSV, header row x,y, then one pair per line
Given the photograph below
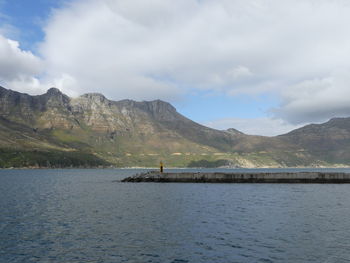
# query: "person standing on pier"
x,y
161,166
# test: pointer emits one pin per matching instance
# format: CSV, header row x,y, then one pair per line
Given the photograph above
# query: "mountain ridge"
x,y
130,133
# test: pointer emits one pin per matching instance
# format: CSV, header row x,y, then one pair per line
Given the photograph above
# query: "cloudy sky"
x,y
260,66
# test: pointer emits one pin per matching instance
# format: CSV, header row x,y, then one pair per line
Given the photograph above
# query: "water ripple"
x,y
83,216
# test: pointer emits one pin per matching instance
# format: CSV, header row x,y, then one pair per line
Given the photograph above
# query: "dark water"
x,y
83,216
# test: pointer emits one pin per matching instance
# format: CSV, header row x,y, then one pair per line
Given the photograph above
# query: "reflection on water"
x,y
83,216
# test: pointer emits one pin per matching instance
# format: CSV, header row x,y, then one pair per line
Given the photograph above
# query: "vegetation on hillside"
x,y
209,164
51,159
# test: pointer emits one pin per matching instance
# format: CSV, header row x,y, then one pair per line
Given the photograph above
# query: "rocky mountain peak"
x,y
95,97
234,131
158,106
159,109
54,98
339,122
53,92
2,89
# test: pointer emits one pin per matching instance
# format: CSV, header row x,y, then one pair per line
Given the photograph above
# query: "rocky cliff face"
x,y
52,107
55,110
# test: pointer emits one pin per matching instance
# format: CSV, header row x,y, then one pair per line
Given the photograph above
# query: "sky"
x,y
263,67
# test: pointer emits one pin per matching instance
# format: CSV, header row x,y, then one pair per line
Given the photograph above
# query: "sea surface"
x,y
78,215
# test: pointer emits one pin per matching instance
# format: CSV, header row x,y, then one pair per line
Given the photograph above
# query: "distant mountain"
x,y
329,141
54,130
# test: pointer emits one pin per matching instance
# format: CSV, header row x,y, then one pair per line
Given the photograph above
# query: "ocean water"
x,y
80,215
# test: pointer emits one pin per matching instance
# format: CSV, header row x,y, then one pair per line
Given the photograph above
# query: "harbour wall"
x,y
274,177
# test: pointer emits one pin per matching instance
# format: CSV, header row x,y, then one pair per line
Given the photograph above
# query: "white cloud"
x,y
156,48
254,126
15,62
316,100
164,48
18,68
240,72
169,44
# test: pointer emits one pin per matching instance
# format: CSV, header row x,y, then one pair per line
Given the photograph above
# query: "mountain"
x,y
54,130
329,141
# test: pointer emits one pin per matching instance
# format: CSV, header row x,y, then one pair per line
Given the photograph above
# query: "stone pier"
x,y
233,177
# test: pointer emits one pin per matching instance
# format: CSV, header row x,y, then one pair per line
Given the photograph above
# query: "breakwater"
x,y
233,177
